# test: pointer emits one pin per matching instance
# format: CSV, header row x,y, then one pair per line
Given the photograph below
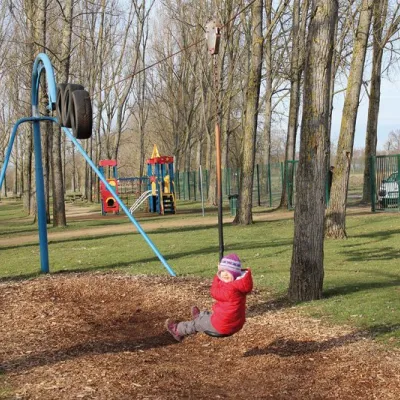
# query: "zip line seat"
x,y
217,335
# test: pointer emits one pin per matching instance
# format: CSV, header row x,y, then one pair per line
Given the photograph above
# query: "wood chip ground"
x,y
102,336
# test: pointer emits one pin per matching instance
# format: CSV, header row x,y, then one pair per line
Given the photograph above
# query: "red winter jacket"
x,y
229,311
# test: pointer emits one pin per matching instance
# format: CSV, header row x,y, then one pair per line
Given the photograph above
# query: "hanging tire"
x,y
59,102
81,114
67,103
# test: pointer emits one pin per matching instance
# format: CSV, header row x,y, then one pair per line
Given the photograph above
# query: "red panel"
x,y
161,160
107,199
108,163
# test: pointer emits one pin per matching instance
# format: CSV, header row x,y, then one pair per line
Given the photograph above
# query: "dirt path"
x,y
96,336
80,213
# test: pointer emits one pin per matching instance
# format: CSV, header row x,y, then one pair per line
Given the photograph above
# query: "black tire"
x,y
59,102
81,114
67,103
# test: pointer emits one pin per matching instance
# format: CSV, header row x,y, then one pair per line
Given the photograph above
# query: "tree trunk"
x,y
28,166
336,213
244,210
296,69
307,268
59,218
16,179
379,15
40,27
268,86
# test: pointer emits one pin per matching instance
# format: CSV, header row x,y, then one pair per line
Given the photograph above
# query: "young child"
x,y
229,288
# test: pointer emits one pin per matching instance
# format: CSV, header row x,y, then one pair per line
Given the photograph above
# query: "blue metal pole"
x,y
67,131
40,199
9,150
12,139
42,62
158,188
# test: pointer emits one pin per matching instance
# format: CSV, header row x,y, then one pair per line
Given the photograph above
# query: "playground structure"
x,y
108,169
161,193
74,112
132,189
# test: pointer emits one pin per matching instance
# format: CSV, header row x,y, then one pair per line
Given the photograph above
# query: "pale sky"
x,y
389,114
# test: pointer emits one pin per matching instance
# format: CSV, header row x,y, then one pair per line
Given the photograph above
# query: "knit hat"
x,y
232,264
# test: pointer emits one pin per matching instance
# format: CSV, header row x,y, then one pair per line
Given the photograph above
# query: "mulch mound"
x,y
102,336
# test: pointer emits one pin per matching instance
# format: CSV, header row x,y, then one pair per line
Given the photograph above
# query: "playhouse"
x,y
108,169
160,171
160,193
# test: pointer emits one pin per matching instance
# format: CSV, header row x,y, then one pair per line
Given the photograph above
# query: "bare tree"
x,y
268,84
29,179
59,218
141,97
244,213
380,12
307,268
300,11
392,144
336,212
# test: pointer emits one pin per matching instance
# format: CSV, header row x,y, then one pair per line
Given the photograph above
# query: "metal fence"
x,y
385,182
267,184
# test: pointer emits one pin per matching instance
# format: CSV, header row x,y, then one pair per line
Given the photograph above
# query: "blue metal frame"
x,y
40,194
67,131
42,63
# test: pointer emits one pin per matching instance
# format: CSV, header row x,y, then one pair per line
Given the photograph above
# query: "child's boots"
x,y
172,328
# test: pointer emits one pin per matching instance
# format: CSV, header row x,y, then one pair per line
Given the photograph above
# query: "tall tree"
x,y
307,268
268,84
244,211
336,212
40,28
380,40
29,178
300,10
59,218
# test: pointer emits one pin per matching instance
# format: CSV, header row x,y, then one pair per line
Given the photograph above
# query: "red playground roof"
x,y
108,163
161,160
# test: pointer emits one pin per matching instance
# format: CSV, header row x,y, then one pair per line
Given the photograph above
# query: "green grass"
x,y
362,278
5,390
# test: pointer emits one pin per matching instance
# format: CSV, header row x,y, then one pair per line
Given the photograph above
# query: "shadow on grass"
x,y
378,234
23,231
358,287
19,278
89,237
136,264
283,347
376,331
150,232
368,254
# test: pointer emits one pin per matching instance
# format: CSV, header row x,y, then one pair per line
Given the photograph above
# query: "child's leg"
x,y
200,324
